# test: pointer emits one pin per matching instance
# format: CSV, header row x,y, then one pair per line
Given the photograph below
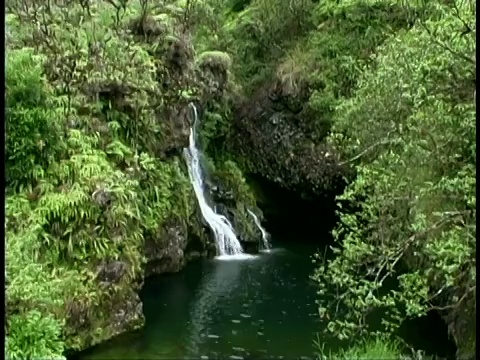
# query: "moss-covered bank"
x,y
97,192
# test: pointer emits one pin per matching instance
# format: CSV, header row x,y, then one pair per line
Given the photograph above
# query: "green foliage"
x,y
409,127
42,333
32,121
214,131
87,123
215,59
376,348
252,34
334,53
215,128
306,45
233,178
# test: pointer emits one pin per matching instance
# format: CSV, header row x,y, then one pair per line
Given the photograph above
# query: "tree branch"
x,y
371,147
457,304
442,43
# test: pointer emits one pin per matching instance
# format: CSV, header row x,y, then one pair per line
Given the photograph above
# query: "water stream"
x,y
265,236
228,246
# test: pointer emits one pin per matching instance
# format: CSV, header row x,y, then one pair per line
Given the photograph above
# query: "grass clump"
x,y
371,349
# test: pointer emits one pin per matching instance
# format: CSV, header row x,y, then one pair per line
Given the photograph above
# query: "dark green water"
x,y
260,308
256,308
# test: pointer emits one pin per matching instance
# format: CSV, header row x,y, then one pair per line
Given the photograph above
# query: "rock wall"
x,y
270,133
463,328
175,244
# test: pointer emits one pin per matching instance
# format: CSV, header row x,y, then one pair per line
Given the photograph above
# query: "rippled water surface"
x,y
262,307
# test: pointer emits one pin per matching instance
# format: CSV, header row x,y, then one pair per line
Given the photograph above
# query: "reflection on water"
x,y
214,286
260,307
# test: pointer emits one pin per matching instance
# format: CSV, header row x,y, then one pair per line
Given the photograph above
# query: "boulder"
x,y
165,250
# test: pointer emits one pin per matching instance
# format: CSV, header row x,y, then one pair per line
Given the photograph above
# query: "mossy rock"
x,y
217,60
151,26
233,198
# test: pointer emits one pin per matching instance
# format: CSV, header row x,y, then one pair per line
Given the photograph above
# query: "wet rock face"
x,y
463,328
270,133
222,195
119,312
111,273
124,313
230,206
165,251
213,74
176,130
127,314
176,243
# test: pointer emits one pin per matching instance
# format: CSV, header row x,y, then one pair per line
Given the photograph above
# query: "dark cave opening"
x,y
429,333
289,216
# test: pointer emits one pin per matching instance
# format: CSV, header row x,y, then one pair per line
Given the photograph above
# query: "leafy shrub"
x,y
42,333
33,119
409,129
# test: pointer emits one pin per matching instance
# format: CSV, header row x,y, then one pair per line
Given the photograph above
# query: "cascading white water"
x,y
225,238
266,244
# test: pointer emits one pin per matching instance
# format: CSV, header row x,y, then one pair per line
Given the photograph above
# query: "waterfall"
x,y
266,244
225,238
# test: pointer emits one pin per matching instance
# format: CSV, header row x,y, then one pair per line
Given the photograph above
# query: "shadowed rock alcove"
x,y
289,216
